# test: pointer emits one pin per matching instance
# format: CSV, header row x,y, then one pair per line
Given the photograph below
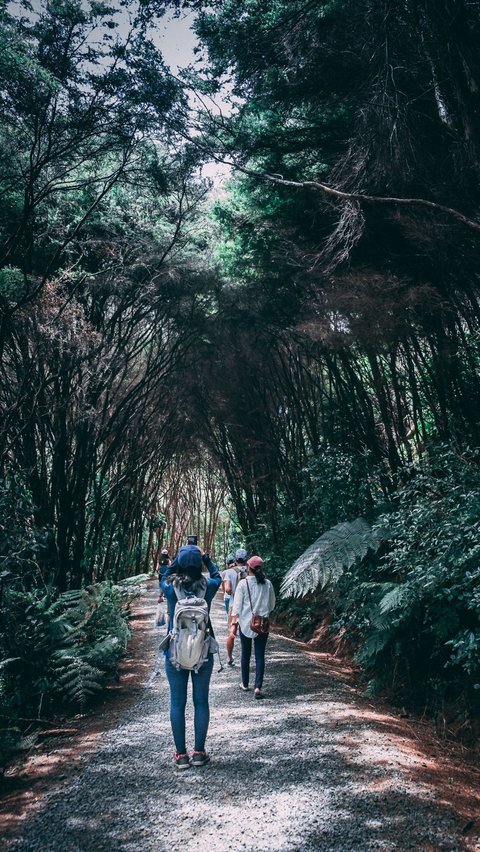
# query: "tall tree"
x,y
374,303
98,277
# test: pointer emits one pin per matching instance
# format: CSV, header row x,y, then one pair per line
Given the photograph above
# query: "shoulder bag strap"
x,y
249,595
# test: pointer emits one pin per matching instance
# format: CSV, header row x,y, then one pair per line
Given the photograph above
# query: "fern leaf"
x,y
394,599
105,653
78,682
328,557
5,663
375,644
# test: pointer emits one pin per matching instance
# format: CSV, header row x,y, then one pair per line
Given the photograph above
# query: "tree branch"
x,y
355,196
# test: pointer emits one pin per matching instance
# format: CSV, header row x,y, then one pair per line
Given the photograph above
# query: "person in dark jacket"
x,y
187,567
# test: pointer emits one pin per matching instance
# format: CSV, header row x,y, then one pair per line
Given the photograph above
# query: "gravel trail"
x,y
312,767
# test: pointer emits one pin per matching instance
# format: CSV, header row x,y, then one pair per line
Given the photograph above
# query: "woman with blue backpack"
x,y
190,647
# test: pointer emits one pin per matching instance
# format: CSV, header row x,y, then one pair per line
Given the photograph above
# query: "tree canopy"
x,y
293,353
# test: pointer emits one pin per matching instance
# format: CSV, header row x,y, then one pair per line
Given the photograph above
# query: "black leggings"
x,y
260,643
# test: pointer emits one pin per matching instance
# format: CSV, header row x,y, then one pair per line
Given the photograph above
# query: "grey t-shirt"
x,y
232,575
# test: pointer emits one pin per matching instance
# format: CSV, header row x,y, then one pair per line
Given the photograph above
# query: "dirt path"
x,y
312,767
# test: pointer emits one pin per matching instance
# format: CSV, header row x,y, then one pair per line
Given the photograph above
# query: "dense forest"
x,y
290,361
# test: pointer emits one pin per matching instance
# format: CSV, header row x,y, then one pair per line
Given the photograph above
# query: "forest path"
x,y
312,767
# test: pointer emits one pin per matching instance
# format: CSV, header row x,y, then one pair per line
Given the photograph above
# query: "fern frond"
x,y
105,653
78,681
328,557
395,598
373,646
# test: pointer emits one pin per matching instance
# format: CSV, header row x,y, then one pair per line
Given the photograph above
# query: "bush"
x,y
411,612
57,650
414,615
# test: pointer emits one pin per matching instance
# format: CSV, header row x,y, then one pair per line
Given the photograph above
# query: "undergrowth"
x,y
58,650
411,612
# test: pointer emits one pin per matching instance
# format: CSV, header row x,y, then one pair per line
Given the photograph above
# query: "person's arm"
x,y
237,601
169,570
271,599
215,576
237,605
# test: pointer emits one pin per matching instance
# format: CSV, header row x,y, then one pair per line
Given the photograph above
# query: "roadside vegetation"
x,y
290,361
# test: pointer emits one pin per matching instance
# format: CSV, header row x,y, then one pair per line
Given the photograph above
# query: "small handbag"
x,y
260,624
160,619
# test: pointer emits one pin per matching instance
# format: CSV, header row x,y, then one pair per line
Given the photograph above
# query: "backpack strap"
x,y
177,586
210,627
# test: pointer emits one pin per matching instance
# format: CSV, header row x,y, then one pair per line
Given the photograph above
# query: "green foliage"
x,y
12,284
56,641
410,609
77,680
23,544
58,651
414,615
326,559
333,485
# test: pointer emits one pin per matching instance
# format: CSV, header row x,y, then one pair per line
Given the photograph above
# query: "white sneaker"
x,y
245,688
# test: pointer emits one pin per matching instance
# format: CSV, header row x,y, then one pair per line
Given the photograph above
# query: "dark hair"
x,y
259,574
188,577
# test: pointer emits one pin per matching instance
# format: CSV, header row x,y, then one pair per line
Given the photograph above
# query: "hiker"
x,y
164,560
184,579
232,577
253,597
227,582
160,619
241,562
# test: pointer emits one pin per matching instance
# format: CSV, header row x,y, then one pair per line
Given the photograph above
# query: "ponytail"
x,y
259,574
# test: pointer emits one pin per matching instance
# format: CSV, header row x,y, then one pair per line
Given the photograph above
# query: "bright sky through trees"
x,y
176,40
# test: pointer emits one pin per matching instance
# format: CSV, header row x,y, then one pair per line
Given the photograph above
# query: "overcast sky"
x,y
176,41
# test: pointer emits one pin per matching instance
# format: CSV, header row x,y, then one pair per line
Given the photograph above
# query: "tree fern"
x,y
326,559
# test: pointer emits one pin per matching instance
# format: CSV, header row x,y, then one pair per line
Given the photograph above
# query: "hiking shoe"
x,y
259,693
231,662
245,688
182,761
200,758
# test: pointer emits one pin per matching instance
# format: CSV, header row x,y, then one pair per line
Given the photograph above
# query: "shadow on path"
x,y
312,767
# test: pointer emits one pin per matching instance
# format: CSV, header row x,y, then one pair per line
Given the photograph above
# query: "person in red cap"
x,y
254,596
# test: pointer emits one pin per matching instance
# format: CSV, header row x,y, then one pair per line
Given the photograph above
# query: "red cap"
x,y
254,562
